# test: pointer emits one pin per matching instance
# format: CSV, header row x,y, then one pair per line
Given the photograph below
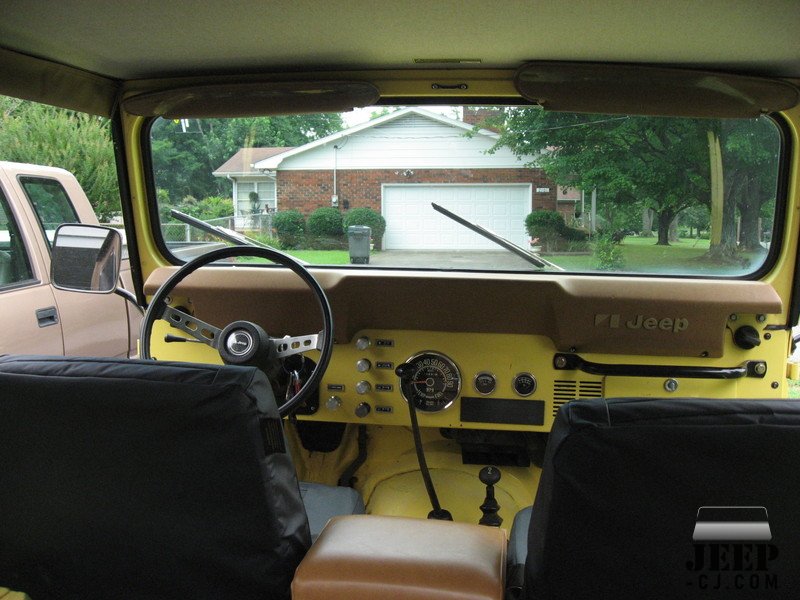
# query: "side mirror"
x,y
86,258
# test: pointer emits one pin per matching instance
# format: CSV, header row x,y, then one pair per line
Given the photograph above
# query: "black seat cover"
x,y
134,479
622,483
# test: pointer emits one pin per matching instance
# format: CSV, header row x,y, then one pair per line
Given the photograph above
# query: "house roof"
x,y
273,162
242,162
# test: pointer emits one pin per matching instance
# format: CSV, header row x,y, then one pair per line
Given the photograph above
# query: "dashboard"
x,y
498,351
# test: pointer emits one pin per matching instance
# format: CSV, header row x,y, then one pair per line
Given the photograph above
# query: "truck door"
x,y
28,316
92,324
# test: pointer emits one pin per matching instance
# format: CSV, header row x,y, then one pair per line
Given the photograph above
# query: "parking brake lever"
x,y
404,372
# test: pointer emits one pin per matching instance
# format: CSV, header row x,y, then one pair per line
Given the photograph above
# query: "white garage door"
x,y
411,223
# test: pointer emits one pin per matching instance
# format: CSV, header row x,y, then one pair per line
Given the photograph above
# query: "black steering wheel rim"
x,y
158,305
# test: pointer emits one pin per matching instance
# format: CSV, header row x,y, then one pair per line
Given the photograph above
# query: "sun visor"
x,y
649,90
252,99
52,83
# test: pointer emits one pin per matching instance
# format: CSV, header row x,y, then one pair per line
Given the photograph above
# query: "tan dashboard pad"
x,y
609,315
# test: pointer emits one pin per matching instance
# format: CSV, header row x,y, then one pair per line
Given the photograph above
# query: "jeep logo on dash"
x,y
641,322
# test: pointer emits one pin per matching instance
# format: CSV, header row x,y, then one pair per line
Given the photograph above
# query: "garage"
x,y
411,223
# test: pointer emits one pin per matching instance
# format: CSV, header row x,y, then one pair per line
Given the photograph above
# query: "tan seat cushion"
x,y
368,556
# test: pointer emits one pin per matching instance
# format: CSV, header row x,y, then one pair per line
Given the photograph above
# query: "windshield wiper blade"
x,y
228,235
532,258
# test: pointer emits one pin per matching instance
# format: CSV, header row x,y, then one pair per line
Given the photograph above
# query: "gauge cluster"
x,y
464,380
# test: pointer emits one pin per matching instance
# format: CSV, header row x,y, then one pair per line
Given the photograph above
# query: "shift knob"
x,y
489,475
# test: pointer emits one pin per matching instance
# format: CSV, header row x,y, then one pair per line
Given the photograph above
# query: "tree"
x,y
751,150
187,151
80,143
644,162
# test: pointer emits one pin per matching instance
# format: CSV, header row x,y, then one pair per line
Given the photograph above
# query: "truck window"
x,y
50,202
14,264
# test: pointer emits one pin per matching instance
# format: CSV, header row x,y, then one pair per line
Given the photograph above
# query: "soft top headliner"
x,y
108,43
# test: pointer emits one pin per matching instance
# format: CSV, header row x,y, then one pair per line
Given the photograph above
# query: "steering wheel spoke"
x,y
197,328
289,346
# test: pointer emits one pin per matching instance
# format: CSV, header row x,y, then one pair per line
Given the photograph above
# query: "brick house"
x,y
397,165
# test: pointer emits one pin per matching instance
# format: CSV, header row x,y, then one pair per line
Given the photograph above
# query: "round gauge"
x,y
524,384
485,383
434,382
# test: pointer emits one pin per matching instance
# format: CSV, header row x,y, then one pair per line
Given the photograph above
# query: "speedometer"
x,y
433,381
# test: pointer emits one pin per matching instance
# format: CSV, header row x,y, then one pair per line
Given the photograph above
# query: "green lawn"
x,y
642,255
794,388
322,257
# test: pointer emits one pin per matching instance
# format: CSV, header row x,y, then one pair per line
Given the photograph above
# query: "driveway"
x,y
493,260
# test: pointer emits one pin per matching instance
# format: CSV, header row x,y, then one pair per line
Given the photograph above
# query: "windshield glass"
x,y
477,188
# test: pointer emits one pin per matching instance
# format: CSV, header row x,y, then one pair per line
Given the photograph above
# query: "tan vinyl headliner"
x,y
151,39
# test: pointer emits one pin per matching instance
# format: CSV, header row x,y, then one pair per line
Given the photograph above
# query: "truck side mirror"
x,y
86,258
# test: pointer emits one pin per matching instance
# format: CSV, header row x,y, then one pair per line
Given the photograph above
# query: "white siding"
x,y
410,142
412,224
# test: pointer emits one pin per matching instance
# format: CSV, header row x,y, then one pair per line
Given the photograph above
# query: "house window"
x,y
245,202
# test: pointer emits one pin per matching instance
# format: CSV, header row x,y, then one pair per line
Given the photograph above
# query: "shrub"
x,y
608,253
553,233
212,207
325,222
290,226
370,218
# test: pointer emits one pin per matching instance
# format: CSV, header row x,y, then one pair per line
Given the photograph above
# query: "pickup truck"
x,y
36,317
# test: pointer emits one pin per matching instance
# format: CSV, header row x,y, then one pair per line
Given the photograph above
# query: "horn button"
x,y
243,342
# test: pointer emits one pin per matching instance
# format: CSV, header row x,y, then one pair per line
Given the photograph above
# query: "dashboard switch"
x,y
363,387
363,343
333,403
362,410
363,365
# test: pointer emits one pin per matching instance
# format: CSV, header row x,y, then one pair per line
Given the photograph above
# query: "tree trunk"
x,y
673,230
723,246
726,250
647,222
749,208
665,218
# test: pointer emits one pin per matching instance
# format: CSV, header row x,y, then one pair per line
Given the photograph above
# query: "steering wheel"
x,y
244,342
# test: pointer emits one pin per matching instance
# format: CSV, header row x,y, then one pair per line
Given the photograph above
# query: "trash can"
x,y
358,242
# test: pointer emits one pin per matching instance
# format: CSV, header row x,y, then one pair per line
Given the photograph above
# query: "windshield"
x,y
521,189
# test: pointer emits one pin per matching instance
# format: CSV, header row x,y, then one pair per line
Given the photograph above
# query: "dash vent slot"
x,y
564,391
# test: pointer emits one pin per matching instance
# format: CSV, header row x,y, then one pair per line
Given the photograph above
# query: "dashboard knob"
x,y
746,337
362,410
363,343
333,403
363,387
363,365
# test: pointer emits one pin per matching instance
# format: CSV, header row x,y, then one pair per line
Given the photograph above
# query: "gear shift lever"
x,y
489,476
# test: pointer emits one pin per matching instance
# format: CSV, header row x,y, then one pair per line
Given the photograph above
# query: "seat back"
x,y
626,482
136,479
